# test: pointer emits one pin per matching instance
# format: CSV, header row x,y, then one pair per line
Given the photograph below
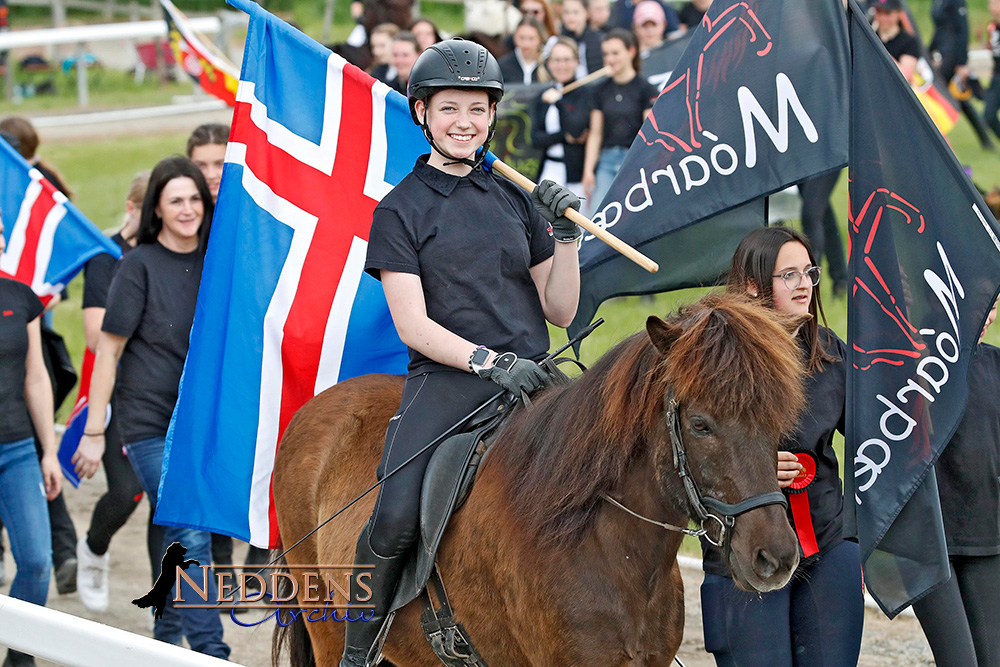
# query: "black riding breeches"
x,y
432,403
959,617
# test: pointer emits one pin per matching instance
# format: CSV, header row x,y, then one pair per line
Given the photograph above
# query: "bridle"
x,y
705,508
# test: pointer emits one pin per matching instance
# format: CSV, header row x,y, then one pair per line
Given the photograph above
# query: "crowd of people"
x,y
138,312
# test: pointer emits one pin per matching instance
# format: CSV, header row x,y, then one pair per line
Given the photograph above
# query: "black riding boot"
x,y
361,635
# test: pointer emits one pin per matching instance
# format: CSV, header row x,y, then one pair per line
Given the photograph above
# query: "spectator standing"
x,y
599,12
380,43
622,16
426,32
405,50
560,129
588,40
819,222
521,66
650,25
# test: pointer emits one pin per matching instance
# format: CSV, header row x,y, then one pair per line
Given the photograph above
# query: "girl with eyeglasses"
x,y
817,618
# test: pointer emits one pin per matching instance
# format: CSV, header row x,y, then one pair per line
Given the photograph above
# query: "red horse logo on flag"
x,y
691,84
889,294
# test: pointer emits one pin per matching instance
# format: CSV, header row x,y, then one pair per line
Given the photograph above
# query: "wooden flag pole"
x,y
551,96
582,220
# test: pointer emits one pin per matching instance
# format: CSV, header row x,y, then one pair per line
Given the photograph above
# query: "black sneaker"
x,y
66,577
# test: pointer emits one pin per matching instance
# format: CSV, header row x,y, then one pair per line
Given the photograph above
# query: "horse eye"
x,y
700,426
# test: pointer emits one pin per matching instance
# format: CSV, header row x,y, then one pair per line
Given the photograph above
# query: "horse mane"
x,y
579,440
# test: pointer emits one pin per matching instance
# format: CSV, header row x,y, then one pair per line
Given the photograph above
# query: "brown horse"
x,y
541,568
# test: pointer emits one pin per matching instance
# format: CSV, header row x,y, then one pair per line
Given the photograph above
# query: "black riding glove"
x,y
515,375
551,201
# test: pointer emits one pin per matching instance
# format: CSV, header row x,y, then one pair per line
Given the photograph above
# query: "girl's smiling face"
x,y
459,120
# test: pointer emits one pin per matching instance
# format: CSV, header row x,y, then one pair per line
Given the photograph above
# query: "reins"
x,y
705,507
451,430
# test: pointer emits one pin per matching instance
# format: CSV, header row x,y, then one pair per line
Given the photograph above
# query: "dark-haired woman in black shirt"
x,y
150,310
621,104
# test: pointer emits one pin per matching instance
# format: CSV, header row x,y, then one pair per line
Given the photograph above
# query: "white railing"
x,y
69,640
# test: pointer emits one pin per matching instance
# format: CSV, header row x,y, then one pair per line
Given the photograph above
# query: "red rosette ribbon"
x,y
798,498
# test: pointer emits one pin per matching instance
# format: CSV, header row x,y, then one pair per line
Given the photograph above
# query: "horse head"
x,y
733,374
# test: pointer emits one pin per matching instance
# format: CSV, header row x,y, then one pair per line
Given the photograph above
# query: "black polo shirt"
x,y
151,302
18,307
472,241
968,468
826,393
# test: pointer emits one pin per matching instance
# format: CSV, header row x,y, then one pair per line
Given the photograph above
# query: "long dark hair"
x,y
753,263
626,37
150,224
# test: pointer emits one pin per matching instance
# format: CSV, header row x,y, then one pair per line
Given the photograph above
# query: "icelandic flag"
x,y
285,309
48,239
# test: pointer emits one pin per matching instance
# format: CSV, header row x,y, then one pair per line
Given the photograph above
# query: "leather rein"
x,y
705,508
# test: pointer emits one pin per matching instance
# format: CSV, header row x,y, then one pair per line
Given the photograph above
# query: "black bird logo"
x,y
157,595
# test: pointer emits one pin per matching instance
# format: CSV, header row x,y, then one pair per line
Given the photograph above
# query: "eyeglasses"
x,y
793,279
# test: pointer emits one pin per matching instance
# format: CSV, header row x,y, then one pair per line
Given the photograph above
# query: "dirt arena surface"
x,y
886,644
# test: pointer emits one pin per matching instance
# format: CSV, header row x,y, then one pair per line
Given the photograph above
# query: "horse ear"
x,y
661,333
793,323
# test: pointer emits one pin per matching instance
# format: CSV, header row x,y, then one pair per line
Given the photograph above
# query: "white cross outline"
x,y
321,157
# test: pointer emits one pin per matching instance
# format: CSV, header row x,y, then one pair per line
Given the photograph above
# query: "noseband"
x,y
705,508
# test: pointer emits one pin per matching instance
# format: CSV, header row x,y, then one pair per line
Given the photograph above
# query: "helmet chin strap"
x,y
474,163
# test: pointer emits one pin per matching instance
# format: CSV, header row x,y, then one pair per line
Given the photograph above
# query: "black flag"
x,y
757,102
925,269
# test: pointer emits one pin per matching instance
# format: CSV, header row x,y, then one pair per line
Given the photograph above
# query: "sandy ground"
x,y
885,644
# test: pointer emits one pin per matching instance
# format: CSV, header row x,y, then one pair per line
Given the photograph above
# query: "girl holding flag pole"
x,y
470,274
817,618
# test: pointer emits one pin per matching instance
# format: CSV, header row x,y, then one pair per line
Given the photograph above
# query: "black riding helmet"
x,y
454,63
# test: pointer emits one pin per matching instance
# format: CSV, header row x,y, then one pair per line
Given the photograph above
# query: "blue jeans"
x,y
814,621
25,512
202,627
607,168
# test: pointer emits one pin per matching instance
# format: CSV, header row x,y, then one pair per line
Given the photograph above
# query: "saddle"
x,y
448,482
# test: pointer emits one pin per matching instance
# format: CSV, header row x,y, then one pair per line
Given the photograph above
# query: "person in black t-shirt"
x,y
147,323
959,617
470,274
26,409
621,104
902,46
114,508
817,618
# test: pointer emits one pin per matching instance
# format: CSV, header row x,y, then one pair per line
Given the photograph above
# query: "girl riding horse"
x,y
471,274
